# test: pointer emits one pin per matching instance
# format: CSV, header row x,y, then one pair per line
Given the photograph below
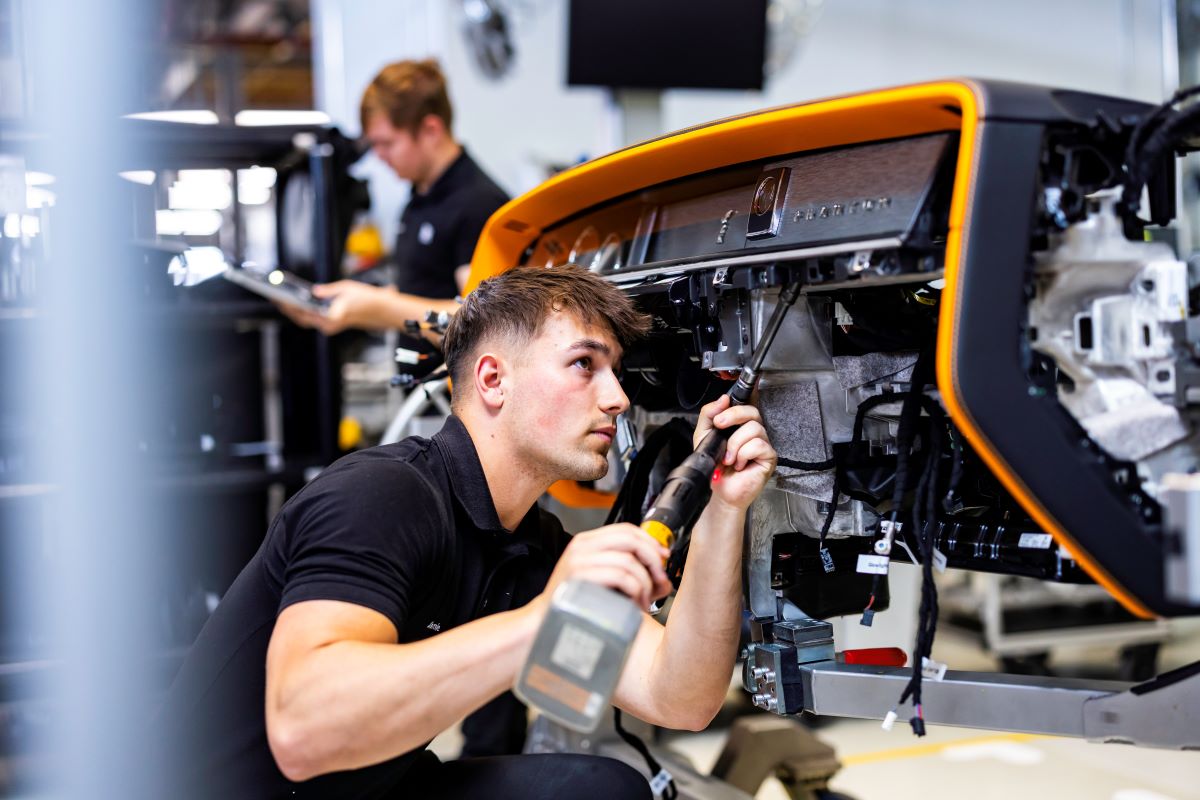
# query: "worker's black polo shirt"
x,y
408,530
439,228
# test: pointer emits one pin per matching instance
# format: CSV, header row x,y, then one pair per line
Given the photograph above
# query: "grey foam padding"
x,y
856,370
792,416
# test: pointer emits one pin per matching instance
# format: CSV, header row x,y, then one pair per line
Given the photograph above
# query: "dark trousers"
x,y
540,776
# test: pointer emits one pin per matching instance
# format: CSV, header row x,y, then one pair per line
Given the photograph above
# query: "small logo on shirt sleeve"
x,y
425,233
434,626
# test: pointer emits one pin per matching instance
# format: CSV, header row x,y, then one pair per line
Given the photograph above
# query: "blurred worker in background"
x,y
406,117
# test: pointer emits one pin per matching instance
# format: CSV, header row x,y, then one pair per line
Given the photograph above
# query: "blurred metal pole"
x,y
1171,83
1170,47
94,385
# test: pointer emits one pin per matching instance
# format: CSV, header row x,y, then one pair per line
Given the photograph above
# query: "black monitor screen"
x,y
662,44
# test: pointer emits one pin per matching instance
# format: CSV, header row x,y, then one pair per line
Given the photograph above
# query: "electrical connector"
x,y
868,615
918,720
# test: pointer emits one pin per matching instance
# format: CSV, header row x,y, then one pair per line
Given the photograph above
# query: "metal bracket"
x,y
1163,713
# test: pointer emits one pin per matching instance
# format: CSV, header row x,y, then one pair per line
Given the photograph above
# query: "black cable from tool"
x,y
670,791
675,440
669,438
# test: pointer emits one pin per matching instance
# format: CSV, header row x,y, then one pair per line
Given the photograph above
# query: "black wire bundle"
x,y
923,521
909,413
1152,138
924,527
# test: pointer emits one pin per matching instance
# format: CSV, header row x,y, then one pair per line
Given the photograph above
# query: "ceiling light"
x,y
192,116
259,117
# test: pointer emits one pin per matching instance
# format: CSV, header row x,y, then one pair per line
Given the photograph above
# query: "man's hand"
x,y
749,457
621,557
353,304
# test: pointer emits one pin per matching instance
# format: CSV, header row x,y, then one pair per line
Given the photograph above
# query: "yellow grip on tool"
x,y
659,532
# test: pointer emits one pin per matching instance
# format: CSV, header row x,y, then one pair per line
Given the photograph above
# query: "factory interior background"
x,y
152,422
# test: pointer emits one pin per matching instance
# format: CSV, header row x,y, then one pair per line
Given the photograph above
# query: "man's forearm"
x,y
352,704
699,646
399,307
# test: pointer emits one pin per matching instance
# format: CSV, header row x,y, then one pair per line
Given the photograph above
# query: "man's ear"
x,y
433,127
490,374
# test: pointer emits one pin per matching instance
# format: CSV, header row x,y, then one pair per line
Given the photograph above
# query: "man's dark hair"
x,y
515,304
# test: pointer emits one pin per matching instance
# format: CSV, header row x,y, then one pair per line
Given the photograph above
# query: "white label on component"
x,y
577,651
886,526
873,565
1036,541
939,560
932,670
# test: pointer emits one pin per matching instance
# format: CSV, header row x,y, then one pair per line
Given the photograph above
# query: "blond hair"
x,y
405,93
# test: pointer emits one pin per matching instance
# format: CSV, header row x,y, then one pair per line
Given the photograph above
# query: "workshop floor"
x,y
981,765
954,763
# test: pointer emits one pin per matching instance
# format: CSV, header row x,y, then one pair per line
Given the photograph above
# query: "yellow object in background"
x,y
364,246
350,433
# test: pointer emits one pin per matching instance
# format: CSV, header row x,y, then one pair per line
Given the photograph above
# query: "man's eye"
x,y
583,362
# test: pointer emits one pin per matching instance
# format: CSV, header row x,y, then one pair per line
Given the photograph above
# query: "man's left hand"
x,y
749,457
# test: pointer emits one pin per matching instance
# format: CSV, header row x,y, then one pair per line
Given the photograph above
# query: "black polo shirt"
x,y
408,530
439,229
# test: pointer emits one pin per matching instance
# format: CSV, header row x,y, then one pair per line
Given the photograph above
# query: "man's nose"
x,y
613,399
